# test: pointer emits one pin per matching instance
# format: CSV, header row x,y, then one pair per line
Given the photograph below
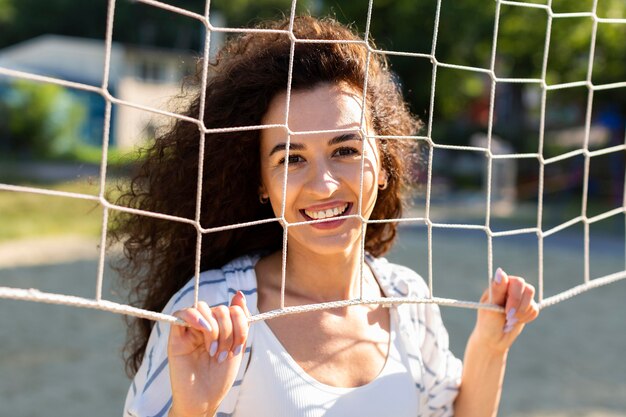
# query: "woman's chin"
x,y
326,244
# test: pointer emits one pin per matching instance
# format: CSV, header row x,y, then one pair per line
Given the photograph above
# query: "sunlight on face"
x,y
324,174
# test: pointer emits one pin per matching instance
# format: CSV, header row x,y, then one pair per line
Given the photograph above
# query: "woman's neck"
x,y
326,277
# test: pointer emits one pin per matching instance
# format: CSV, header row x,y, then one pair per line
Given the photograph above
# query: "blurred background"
x,y
64,361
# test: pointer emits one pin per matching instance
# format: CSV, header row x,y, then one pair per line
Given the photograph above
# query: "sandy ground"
x,y
60,361
47,250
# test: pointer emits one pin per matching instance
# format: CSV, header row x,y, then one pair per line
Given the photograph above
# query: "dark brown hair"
x,y
248,72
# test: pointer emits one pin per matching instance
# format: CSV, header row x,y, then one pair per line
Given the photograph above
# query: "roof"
x,y
78,59
65,57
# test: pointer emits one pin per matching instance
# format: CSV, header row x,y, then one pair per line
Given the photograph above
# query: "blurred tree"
x,y
30,18
464,37
26,19
6,11
39,120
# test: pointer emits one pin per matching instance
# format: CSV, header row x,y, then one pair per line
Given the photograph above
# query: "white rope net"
x,y
103,90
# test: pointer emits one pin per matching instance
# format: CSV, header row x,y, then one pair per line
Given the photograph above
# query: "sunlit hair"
x,y
248,72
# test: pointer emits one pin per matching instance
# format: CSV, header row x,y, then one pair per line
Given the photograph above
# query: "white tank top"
x,y
276,386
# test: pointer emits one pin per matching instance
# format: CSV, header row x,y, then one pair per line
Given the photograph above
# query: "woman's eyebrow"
x,y
282,146
345,138
294,146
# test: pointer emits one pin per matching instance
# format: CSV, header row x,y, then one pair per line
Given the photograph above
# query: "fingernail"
x,y
507,328
511,313
511,321
497,278
238,293
238,350
222,356
205,324
213,349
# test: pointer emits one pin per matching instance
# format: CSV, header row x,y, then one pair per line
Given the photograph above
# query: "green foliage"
x,y
569,50
611,9
610,54
244,13
134,22
42,120
32,18
521,44
464,37
569,6
7,12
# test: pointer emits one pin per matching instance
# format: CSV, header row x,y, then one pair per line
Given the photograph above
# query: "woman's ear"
x,y
383,180
263,196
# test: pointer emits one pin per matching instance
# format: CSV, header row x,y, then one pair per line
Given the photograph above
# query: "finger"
x,y
513,300
240,328
499,286
177,330
211,336
194,319
514,295
240,300
528,292
531,314
194,333
225,337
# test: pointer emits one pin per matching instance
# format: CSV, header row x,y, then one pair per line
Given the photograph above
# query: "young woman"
x,y
364,360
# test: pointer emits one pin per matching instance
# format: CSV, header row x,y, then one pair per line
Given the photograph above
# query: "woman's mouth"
x,y
337,214
327,213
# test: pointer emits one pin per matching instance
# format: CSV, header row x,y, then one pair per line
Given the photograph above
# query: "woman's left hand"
x,y
496,330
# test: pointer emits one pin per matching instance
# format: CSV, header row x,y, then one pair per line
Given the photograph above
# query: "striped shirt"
x,y
434,369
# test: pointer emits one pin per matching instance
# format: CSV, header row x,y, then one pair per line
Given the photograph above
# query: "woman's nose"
x,y
322,182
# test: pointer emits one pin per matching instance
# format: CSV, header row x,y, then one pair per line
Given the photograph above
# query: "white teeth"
x,y
324,214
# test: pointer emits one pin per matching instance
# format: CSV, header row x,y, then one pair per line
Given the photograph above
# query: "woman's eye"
x,y
293,159
346,151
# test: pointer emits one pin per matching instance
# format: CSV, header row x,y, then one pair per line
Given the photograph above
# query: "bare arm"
x,y
488,346
483,375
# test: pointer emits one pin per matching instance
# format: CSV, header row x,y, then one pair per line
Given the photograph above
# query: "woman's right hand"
x,y
204,358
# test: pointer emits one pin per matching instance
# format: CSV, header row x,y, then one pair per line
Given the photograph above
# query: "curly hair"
x,y
159,256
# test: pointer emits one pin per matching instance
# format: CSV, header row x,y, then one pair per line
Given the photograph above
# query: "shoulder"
x,y
217,286
398,280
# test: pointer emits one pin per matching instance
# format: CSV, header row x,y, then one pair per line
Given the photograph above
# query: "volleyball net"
x,y
427,220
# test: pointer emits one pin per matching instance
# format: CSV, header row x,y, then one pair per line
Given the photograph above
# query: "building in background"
x,y
147,76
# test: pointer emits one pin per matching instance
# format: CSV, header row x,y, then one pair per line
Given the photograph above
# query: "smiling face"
x,y
324,174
